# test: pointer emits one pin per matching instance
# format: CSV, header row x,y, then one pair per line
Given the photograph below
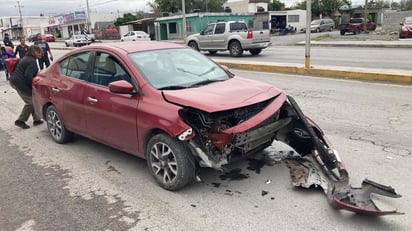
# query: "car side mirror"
x,y
121,87
202,33
401,23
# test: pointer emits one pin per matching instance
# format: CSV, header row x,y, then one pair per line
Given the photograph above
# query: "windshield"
x,y
177,68
408,20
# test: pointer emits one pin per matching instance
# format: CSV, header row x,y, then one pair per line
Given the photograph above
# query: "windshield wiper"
x,y
173,87
207,81
208,71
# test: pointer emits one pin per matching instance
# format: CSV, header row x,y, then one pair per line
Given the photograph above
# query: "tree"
x,y
128,17
174,6
324,7
276,5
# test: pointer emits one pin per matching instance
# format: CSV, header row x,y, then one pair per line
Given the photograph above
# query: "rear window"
x,y
356,20
238,26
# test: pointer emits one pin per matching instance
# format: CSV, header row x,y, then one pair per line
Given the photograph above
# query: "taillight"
x,y
249,34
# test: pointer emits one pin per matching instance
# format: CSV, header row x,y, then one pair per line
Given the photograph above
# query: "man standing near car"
x,y
44,60
7,42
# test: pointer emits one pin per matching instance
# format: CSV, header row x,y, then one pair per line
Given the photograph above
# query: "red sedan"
x,y
49,38
405,30
180,111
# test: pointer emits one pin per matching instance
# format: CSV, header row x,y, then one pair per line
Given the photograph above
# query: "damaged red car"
x,y
181,111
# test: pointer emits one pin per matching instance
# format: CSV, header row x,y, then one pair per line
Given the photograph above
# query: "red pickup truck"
x,y
356,25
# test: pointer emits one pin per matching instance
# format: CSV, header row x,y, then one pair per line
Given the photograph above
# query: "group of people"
x,y
31,60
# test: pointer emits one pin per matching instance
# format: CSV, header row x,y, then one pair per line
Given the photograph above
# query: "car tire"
x,y
67,45
331,29
193,45
235,49
170,162
56,127
342,32
357,31
255,51
317,30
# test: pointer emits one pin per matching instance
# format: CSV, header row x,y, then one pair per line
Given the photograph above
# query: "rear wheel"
x,y
317,30
342,32
331,29
255,51
194,45
56,127
235,49
357,31
170,162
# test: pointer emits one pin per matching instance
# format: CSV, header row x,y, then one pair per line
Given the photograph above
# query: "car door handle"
x,y
55,89
91,100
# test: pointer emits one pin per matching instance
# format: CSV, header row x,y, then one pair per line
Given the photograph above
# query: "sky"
x,y
54,7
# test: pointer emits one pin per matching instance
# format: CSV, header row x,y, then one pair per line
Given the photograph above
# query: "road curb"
x,y
327,72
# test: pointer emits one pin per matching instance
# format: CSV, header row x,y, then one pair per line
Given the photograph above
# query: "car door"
x,y
111,118
205,38
69,88
126,37
218,37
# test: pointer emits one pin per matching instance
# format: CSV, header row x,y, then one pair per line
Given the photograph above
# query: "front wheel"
x,y
170,162
235,49
193,45
342,32
56,127
255,51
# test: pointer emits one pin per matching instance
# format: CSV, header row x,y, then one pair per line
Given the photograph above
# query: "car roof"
x,y
132,47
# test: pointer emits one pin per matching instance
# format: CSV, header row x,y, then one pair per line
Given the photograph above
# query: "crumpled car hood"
x,y
233,93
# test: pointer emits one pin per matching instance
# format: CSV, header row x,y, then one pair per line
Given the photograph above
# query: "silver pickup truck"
x,y
232,35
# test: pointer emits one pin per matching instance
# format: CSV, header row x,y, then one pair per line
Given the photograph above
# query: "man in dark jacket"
x,y
21,49
21,80
7,42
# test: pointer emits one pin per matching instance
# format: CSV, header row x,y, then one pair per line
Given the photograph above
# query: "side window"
x,y
209,29
75,66
107,69
220,28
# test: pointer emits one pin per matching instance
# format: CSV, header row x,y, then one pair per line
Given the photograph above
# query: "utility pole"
x,y
21,18
365,15
184,20
307,37
88,17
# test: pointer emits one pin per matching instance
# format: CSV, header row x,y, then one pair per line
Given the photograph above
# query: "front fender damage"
x,y
324,168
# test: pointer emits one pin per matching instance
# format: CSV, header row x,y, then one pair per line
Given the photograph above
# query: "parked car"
x,y
324,24
231,35
77,40
33,37
49,38
356,25
405,30
135,36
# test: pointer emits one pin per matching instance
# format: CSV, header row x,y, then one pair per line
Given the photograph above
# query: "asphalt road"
x,y
88,186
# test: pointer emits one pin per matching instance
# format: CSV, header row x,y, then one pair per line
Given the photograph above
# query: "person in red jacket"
x,y
5,55
21,80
